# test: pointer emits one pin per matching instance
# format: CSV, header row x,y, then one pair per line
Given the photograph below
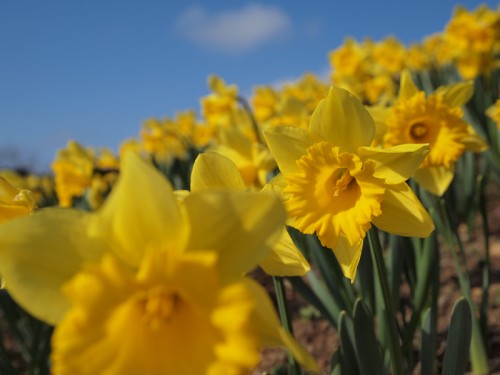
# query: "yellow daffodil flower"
x,y
437,120
73,169
14,202
144,285
220,107
163,140
337,186
211,171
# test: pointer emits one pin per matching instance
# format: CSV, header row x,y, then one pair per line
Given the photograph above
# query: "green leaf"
x,y
458,341
349,357
335,363
367,347
428,343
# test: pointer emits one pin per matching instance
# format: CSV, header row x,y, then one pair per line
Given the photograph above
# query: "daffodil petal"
x,y
395,164
39,253
235,139
140,211
212,170
285,259
267,326
403,214
240,226
287,145
473,142
434,179
407,88
348,256
232,154
10,211
380,115
342,120
458,94
276,184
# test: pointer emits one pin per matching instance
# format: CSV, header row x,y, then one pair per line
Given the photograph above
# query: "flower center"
x,y
418,131
342,179
159,305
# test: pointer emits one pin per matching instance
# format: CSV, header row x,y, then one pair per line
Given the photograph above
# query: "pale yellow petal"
x,y
240,226
285,259
267,326
212,170
458,94
407,88
435,179
235,139
41,252
403,214
232,154
276,184
288,144
348,256
342,120
10,211
141,211
395,164
380,115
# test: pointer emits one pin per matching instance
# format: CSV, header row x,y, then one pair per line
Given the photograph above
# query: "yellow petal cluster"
x,y
290,105
367,69
78,169
474,39
336,186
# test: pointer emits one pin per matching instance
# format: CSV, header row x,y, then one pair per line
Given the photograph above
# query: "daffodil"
x,y
436,120
145,285
14,202
73,168
211,171
335,185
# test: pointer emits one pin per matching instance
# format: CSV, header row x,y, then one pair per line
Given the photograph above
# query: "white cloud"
x,y
234,31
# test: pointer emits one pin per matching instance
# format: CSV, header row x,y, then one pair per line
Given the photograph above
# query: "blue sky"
x,y
94,70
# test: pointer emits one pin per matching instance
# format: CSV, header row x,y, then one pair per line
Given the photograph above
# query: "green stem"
x,y
424,272
286,322
378,260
